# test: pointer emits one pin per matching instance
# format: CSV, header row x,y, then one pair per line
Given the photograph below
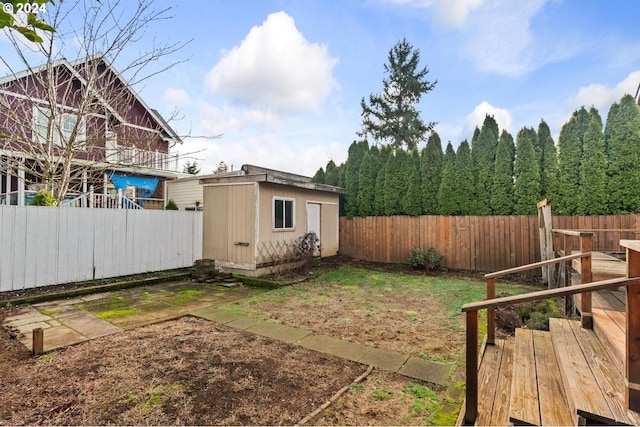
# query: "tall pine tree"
x,y
526,190
484,157
465,186
446,204
502,195
393,116
367,182
411,202
592,199
569,158
431,162
352,176
623,146
548,162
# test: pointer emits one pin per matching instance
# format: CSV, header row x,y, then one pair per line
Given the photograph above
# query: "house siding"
x,y
185,192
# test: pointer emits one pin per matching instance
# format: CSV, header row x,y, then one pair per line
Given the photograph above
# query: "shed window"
x,y
283,213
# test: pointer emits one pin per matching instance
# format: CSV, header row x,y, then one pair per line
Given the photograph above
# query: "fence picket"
x,y
478,243
41,246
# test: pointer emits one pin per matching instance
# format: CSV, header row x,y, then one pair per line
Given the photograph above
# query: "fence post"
x,y
491,312
632,362
586,244
91,196
38,341
119,199
471,390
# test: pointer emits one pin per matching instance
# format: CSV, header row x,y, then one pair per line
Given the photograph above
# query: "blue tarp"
x,y
145,187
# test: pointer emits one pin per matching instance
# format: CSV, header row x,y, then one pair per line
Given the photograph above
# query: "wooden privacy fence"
x,y
41,246
476,243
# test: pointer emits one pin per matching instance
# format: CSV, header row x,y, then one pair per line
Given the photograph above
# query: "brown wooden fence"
x,y
476,243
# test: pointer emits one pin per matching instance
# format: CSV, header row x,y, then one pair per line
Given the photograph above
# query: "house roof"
x,y
251,173
167,130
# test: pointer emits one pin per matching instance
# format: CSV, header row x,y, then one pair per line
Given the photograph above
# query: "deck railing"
x,y
632,363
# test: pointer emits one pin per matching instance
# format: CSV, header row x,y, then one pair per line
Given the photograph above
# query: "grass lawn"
x,y
415,314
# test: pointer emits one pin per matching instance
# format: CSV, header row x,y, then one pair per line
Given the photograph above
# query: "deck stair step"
x,y
593,383
537,392
610,326
494,381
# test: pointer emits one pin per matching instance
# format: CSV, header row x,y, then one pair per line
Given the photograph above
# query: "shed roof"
x,y
251,173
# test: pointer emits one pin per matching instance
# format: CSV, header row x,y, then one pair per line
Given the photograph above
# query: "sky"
x,y
279,82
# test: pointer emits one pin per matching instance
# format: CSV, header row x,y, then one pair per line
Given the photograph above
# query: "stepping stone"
x,y
215,315
320,343
383,359
90,326
243,322
426,370
56,337
28,315
349,350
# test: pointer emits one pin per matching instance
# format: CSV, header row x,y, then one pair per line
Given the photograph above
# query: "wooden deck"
x,y
561,377
567,376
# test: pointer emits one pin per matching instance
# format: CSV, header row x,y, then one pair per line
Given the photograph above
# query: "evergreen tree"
x,y
395,182
484,158
392,116
378,199
447,204
431,160
411,202
548,162
623,144
352,176
367,184
526,189
569,158
592,199
502,195
318,178
332,175
191,168
465,186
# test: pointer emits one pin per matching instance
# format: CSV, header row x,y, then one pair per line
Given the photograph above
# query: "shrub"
x,y
171,206
536,315
434,258
43,198
429,260
418,258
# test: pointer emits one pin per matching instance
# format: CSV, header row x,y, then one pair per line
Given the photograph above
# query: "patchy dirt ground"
x,y
188,371
194,372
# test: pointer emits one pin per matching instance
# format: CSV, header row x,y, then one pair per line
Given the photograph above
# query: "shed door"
x,y
313,219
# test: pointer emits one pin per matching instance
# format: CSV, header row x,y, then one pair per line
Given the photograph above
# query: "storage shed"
x,y
255,217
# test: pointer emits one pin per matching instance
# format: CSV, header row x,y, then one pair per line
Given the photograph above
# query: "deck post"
x,y
471,401
632,359
586,316
491,312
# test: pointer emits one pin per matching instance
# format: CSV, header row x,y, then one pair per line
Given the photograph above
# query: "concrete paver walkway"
x,y
71,321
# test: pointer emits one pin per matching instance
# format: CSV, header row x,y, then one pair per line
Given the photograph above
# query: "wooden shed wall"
x,y
328,214
229,224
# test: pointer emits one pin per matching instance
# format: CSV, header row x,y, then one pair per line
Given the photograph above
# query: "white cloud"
x,y
275,67
454,13
476,118
176,96
215,120
602,96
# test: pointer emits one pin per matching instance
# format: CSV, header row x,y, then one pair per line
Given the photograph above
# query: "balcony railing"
x,y
143,158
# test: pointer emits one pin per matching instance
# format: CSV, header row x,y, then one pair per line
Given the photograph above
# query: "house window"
x,y
62,128
283,213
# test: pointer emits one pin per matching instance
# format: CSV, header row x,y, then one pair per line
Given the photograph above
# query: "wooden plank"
x,y
524,406
609,378
500,415
609,332
583,393
488,374
554,409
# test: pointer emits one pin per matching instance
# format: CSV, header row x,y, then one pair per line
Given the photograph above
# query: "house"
x,y
254,217
78,129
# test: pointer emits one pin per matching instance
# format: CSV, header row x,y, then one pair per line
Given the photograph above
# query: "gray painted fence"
x,y
42,246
